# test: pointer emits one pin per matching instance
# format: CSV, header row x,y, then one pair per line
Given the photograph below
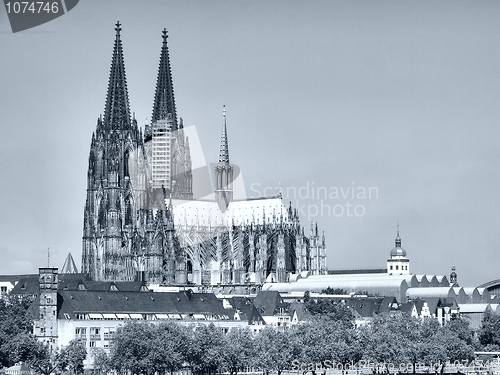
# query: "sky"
x,y
366,113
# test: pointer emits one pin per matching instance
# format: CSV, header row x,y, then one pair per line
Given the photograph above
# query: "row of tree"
x,y
393,341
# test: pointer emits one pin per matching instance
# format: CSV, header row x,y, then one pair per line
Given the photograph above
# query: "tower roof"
x,y
224,149
398,250
164,102
117,110
69,265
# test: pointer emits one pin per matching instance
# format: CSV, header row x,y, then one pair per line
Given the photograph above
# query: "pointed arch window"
x,y
126,171
128,212
102,214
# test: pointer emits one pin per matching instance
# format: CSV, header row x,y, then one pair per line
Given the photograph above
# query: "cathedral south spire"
x,y
117,109
164,102
166,146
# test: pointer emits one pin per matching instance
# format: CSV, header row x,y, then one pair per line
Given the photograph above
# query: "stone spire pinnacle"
x,y
117,111
164,102
224,149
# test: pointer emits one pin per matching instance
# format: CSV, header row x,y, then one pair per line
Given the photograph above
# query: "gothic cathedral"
x,y
141,221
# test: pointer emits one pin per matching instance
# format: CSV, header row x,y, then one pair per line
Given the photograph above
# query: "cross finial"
x,y
397,225
165,35
118,28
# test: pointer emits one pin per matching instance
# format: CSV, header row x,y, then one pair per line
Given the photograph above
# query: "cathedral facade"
x,y
140,218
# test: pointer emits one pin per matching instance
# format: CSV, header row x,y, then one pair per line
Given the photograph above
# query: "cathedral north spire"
x,y
117,109
164,102
224,148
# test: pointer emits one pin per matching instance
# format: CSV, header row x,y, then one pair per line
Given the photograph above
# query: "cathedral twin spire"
x,y
117,109
164,102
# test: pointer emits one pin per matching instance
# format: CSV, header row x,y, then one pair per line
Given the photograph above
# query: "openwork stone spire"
x,y
164,102
224,149
117,110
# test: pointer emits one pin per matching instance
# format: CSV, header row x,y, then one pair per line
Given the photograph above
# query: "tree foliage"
x,y
395,338
71,357
400,339
16,324
489,334
331,290
240,350
332,309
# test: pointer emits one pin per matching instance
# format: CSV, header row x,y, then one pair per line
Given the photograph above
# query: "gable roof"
x,y
247,310
301,310
267,302
365,307
77,281
388,304
433,303
71,303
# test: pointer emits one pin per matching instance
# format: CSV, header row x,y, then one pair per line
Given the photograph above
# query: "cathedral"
x,y
141,221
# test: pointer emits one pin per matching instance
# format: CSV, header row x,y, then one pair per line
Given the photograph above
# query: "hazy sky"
x,y
321,96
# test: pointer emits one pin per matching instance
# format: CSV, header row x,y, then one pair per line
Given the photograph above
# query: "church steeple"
x,y
117,111
224,149
398,239
223,171
164,102
398,263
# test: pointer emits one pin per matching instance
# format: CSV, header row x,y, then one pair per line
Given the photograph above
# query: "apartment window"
x,y
80,331
95,333
92,344
109,332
